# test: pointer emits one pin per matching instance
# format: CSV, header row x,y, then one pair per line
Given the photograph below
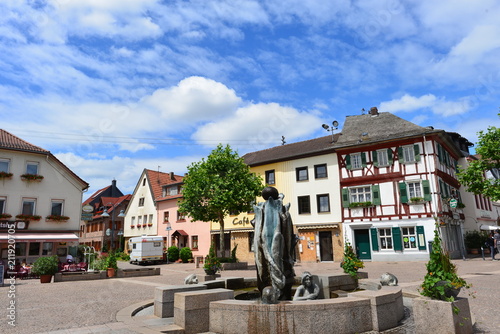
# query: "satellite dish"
x,y
335,124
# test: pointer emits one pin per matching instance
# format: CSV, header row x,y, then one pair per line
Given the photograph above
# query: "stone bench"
x,y
68,276
233,283
192,309
164,298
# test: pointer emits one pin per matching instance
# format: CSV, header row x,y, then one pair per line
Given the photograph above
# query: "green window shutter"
x,y
396,239
440,152
389,156
375,158
345,198
403,194
400,155
376,194
374,239
363,159
441,188
421,238
427,190
348,161
416,148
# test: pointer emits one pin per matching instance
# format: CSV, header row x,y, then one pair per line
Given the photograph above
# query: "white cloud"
x,y
438,106
259,125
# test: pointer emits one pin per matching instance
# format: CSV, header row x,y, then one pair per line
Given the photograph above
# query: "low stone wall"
x,y
122,273
235,266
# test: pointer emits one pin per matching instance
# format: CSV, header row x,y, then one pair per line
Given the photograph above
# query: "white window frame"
x,y
172,191
406,232
385,238
356,162
26,201
3,204
360,194
382,158
32,164
414,189
57,201
408,154
5,162
141,201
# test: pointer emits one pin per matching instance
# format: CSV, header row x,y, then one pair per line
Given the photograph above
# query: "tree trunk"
x,y
221,238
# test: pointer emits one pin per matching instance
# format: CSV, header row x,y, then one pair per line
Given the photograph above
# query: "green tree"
x,y
473,177
218,185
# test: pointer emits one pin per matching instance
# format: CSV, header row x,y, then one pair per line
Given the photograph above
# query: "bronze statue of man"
x,y
274,245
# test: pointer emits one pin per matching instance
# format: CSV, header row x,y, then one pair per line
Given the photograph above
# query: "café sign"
x,y
17,225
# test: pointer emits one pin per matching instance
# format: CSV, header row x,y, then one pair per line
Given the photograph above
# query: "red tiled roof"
x,y
11,142
94,195
159,179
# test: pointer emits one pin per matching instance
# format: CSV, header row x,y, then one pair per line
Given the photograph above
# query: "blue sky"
x,y
113,87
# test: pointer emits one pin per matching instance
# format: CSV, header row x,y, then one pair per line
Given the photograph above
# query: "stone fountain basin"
x,y
360,311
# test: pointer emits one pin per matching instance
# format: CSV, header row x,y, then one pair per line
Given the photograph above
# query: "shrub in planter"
x,y
185,254
351,263
47,265
441,281
173,253
212,263
475,239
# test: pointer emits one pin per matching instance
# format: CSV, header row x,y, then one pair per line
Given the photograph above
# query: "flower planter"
x,y
45,278
437,316
111,272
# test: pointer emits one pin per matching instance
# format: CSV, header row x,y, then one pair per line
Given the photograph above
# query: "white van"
x,y
146,249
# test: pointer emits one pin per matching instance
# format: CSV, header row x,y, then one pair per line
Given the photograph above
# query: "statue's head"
x,y
268,192
306,278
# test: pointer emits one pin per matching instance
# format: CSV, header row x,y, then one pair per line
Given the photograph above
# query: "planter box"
x,y
437,316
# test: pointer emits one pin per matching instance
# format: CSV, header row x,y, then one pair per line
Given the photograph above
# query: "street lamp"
x,y
335,126
112,231
168,229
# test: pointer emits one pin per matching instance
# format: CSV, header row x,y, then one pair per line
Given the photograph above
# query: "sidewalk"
x,y
106,306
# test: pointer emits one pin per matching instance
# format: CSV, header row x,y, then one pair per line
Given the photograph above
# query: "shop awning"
x,y
316,226
39,237
489,227
179,233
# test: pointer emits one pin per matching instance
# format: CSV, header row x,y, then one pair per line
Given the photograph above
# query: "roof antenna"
x,y
158,175
362,111
283,142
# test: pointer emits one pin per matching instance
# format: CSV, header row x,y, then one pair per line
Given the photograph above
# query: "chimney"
x,y
172,176
113,188
374,111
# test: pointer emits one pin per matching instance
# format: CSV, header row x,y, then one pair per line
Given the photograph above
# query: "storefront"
x,y
30,245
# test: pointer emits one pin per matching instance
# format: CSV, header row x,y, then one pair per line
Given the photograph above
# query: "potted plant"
x,y
474,240
45,267
111,264
212,264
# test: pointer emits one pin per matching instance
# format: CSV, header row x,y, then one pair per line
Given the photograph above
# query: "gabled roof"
x,y
363,129
110,203
157,180
297,150
10,142
108,191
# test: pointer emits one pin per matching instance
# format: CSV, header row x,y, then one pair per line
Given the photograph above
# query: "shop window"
x,y
47,248
34,249
385,237
409,237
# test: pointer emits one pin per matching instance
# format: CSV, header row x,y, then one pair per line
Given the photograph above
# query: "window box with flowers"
x,y
28,217
132,226
57,218
31,177
139,225
360,205
5,216
417,200
144,225
150,224
5,175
